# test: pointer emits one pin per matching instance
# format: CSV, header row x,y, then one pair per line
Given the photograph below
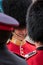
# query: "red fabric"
x,y
6,27
27,47
14,48
36,59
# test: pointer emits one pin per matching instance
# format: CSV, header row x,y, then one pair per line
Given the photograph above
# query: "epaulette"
x,y
27,56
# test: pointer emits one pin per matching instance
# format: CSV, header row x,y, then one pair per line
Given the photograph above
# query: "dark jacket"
x,y
8,58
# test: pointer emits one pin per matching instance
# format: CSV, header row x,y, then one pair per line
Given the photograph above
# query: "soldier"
x,y
17,44
18,9
6,27
35,30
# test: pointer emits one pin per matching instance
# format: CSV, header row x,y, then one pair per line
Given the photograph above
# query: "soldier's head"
x,y
6,26
35,21
16,8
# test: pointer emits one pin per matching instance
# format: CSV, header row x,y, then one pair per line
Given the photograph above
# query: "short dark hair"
x,y
35,21
17,9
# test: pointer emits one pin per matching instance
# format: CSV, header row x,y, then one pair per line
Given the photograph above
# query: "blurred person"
x,y
17,44
7,24
18,9
17,39
35,31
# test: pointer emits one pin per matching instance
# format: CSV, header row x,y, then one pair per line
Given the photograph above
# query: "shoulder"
x,y
15,59
27,56
20,60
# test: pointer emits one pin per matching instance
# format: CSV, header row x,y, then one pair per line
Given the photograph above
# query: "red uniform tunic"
x,y
21,50
36,59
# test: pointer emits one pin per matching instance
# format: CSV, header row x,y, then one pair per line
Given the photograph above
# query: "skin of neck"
x,y
17,41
